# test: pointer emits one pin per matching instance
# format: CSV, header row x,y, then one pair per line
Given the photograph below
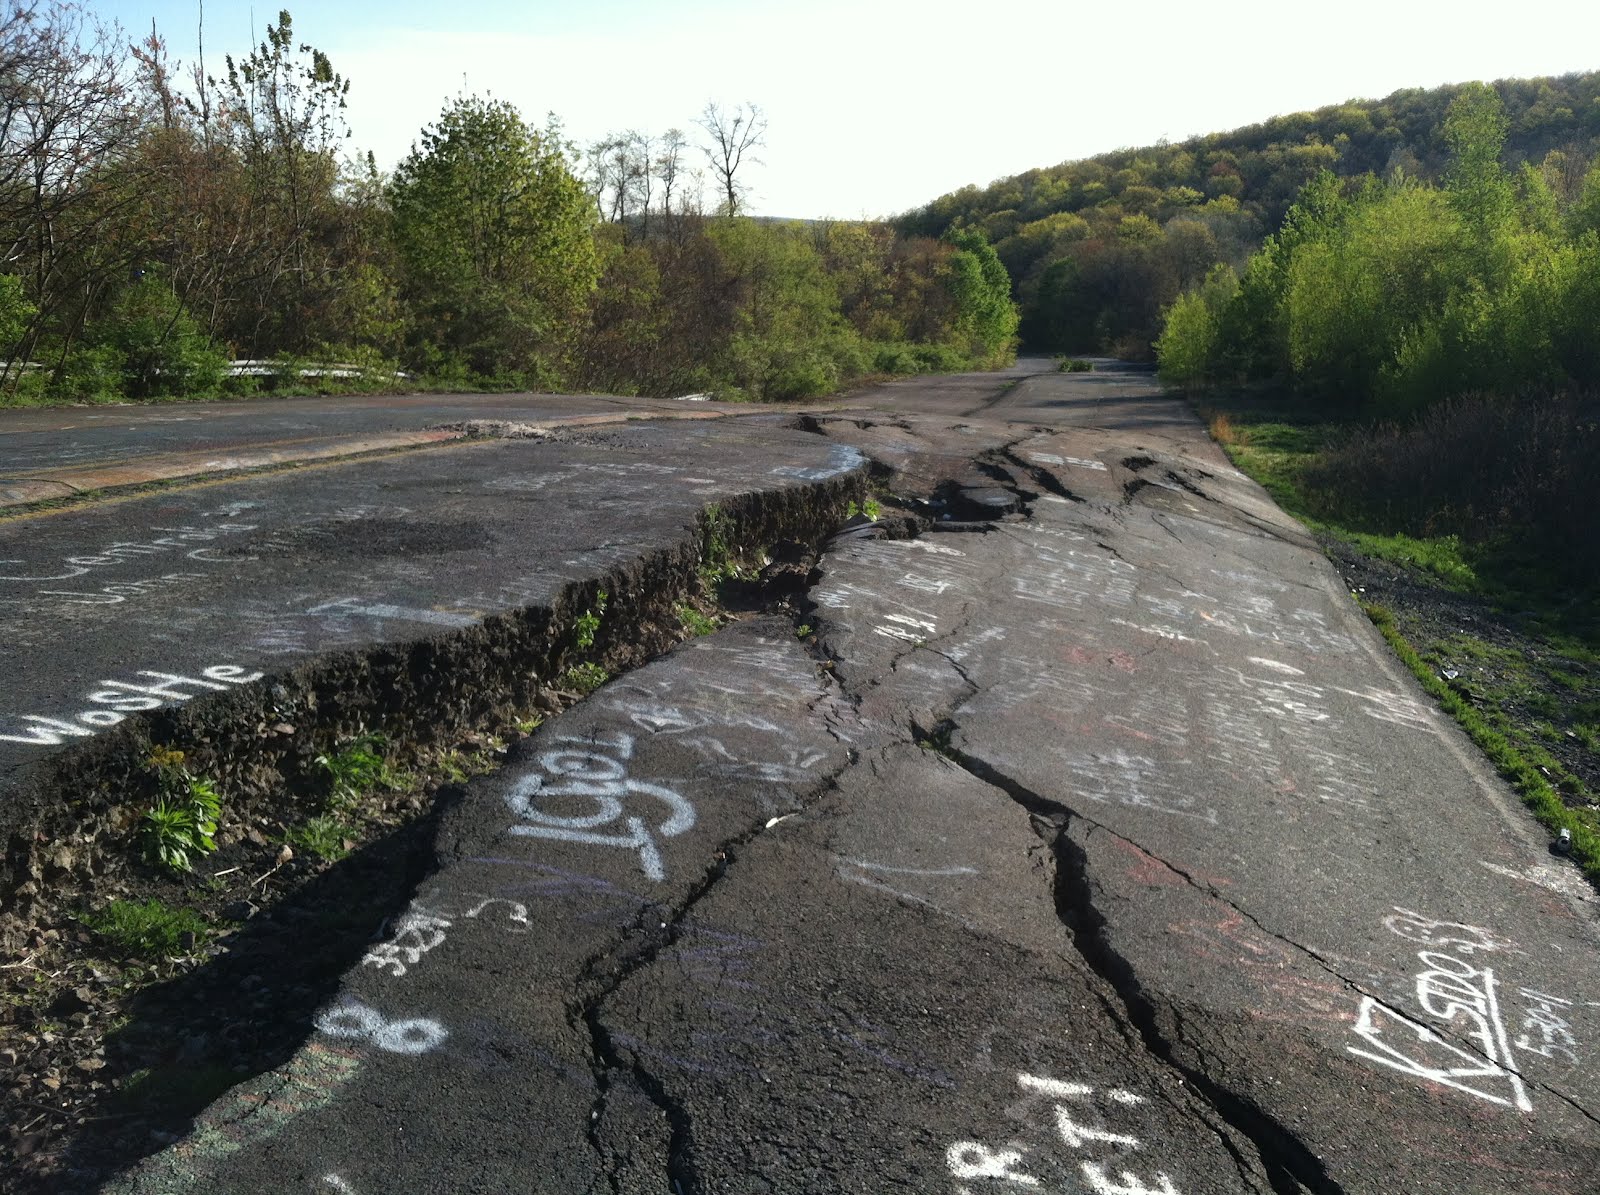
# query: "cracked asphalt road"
x,y
1092,843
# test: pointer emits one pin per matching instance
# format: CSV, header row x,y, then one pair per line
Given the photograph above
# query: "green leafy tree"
x,y
1475,130
790,338
977,281
1189,349
1584,215
496,234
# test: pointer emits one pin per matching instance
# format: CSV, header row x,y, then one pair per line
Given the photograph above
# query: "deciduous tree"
x,y
735,133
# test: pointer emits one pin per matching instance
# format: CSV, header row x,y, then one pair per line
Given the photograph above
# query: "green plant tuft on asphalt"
x,y
804,631
871,509
150,930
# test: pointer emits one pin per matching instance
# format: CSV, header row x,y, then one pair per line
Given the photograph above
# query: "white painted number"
x,y
354,1020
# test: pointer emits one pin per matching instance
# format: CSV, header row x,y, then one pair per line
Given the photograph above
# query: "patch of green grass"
x,y
323,836
1513,764
1569,680
871,508
1275,438
1441,556
584,678
150,930
355,771
1462,647
804,631
1074,365
693,621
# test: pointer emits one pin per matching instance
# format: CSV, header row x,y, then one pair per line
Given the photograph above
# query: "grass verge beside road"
x,y
1505,639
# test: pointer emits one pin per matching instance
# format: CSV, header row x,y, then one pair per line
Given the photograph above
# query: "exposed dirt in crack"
x,y
1047,481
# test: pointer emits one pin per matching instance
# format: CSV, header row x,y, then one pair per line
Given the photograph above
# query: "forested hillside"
x,y
1098,248
160,218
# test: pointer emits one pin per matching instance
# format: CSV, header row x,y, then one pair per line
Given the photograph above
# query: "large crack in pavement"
x,y
1292,1167
879,702
604,974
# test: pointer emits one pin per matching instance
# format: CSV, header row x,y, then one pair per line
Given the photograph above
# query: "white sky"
x,y
876,106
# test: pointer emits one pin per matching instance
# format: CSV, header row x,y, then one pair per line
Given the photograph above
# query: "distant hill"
x,y
1098,247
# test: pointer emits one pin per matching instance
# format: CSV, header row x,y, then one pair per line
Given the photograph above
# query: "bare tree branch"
x,y
734,132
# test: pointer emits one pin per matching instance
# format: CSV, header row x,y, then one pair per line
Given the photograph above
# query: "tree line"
x,y
160,220
1395,293
1458,321
1100,247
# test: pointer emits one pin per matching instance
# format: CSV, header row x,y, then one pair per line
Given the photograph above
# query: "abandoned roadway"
x,y
1086,837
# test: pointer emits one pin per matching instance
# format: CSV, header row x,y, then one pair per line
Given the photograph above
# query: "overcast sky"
x,y
876,106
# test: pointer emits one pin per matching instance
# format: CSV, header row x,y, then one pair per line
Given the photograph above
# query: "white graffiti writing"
x,y
347,607
1423,1054
359,1022
119,592
1451,935
1454,993
1542,1020
594,770
1051,458
70,567
904,627
1100,1184
150,690
421,929
975,1160
969,1159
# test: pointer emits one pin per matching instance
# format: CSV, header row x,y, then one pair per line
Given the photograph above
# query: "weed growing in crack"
x,y
871,509
356,771
183,821
148,930
458,766
584,678
588,623
693,621
938,741
325,836
717,563
804,631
